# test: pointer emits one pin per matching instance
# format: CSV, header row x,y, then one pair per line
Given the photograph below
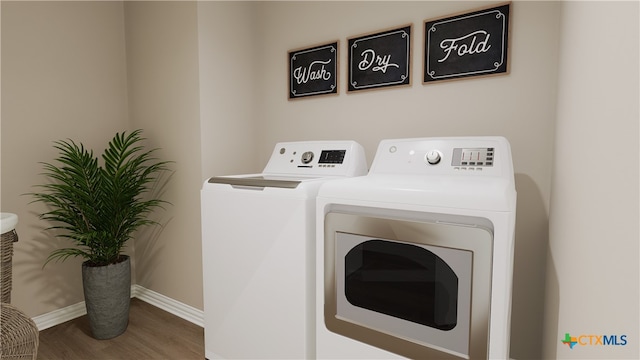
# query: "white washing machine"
x,y
258,248
415,259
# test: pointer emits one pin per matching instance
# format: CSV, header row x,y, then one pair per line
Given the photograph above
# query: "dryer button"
x,y
433,157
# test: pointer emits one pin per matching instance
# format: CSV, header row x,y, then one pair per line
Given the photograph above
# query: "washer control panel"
x,y
327,157
340,158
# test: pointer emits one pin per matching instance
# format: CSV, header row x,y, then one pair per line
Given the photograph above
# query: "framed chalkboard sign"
x,y
313,71
470,44
380,60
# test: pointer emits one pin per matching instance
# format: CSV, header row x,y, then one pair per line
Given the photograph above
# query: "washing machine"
x,y
258,251
415,260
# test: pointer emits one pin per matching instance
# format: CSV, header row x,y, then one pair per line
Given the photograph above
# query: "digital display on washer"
x,y
332,156
472,157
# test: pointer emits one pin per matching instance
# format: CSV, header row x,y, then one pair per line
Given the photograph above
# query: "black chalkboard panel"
x,y
380,60
471,44
313,71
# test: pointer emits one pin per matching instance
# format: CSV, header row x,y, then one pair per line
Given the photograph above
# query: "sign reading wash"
x,y
470,44
313,71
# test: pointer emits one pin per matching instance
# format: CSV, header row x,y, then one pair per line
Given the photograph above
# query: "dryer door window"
x,y
402,280
408,290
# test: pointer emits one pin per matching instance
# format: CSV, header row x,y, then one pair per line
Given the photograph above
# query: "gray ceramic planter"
x,y
107,294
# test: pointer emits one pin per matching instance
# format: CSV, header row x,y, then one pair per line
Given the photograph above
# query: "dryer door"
x,y
403,282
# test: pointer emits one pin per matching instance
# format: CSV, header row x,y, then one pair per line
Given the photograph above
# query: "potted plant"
x,y
99,207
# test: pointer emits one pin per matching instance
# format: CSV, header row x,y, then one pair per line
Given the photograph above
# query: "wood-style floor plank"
x,y
152,334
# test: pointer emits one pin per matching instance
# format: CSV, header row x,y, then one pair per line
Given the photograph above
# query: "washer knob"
x,y
307,157
433,157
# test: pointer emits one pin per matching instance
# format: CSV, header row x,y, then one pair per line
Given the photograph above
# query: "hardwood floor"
x,y
152,334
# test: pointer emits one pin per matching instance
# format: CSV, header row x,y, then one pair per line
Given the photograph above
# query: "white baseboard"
x,y
59,316
169,305
158,300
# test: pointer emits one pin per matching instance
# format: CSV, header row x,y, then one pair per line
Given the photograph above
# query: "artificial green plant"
x,y
100,206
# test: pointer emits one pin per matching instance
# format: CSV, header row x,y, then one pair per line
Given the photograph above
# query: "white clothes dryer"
x,y
258,248
415,260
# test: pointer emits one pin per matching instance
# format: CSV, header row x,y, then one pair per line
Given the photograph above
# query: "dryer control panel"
x,y
481,157
469,156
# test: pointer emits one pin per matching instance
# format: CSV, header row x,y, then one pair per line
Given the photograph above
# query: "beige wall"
x,y
162,66
228,35
592,274
63,76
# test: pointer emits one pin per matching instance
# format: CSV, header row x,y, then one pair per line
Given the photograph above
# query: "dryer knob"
x,y
433,157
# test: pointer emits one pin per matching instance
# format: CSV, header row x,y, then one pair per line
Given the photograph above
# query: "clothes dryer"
x,y
258,248
415,259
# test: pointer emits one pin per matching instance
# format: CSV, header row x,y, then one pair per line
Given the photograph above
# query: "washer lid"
x,y
260,181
